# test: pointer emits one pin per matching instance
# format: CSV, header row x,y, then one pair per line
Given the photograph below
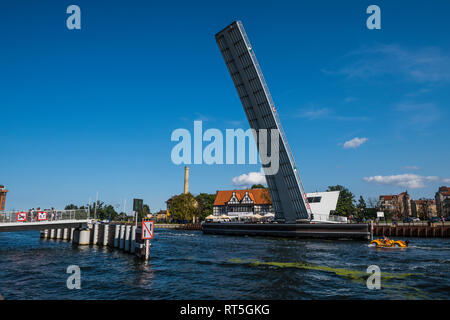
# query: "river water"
x,y
190,265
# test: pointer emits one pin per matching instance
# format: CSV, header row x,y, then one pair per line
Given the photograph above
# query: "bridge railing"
x,y
34,216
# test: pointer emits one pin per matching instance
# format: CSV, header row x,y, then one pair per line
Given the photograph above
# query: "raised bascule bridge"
x,y
292,211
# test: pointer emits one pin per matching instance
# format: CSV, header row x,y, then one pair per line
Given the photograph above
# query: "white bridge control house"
x,y
323,206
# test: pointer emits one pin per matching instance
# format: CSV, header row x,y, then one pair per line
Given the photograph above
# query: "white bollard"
x,y
81,237
65,234
95,233
122,237
127,238
117,236
105,234
133,240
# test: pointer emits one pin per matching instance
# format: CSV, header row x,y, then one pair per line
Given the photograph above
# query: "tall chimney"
x,y
186,179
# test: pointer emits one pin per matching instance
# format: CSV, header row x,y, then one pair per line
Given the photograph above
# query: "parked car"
x,y
408,220
415,219
447,219
435,219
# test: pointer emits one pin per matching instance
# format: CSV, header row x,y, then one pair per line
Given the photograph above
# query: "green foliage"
x,y
145,211
345,205
107,212
205,204
71,207
258,186
182,207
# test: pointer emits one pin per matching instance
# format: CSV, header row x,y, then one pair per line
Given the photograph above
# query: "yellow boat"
x,y
381,243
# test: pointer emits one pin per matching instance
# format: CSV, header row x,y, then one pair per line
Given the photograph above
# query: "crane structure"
x,y
286,190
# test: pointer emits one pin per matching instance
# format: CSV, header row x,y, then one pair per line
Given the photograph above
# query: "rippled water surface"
x,y
190,265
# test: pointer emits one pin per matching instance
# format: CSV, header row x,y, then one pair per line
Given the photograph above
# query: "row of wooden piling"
x,y
422,231
120,236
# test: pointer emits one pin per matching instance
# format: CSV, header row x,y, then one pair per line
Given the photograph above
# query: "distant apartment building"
x,y
3,193
424,208
442,198
397,204
388,203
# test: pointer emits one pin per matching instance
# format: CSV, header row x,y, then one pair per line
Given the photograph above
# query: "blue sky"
x,y
92,110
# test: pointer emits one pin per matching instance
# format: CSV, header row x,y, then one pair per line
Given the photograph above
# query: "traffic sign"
x,y
138,204
42,215
147,229
21,216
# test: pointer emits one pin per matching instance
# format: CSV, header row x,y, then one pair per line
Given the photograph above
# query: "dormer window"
x,y
246,198
234,199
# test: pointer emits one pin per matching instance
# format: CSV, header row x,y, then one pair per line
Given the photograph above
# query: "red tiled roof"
x,y
259,196
387,197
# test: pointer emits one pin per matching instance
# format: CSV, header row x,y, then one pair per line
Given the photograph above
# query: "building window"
x,y
314,199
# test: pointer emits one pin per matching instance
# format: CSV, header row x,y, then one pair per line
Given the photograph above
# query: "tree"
x,y
258,186
345,205
205,204
108,212
183,207
71,207
361,207
145,211
372,208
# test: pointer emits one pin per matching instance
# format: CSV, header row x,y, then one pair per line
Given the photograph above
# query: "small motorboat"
x,y
382,243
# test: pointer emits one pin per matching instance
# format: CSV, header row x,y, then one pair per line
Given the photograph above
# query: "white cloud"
x,y
411,167
354,143
421,65
446,180
418,116
313,114
249,179
408,180
327,114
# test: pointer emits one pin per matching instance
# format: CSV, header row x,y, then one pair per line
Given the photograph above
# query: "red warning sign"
x,y
42,215
147,230
21,216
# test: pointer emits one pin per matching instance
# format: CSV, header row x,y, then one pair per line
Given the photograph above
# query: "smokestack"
x,y
186,179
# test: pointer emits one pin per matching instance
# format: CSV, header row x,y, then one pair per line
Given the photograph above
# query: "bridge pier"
x,y
44,234
122,237
59,233
133,240
65,234
94,234
105,234
81,236
117,236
